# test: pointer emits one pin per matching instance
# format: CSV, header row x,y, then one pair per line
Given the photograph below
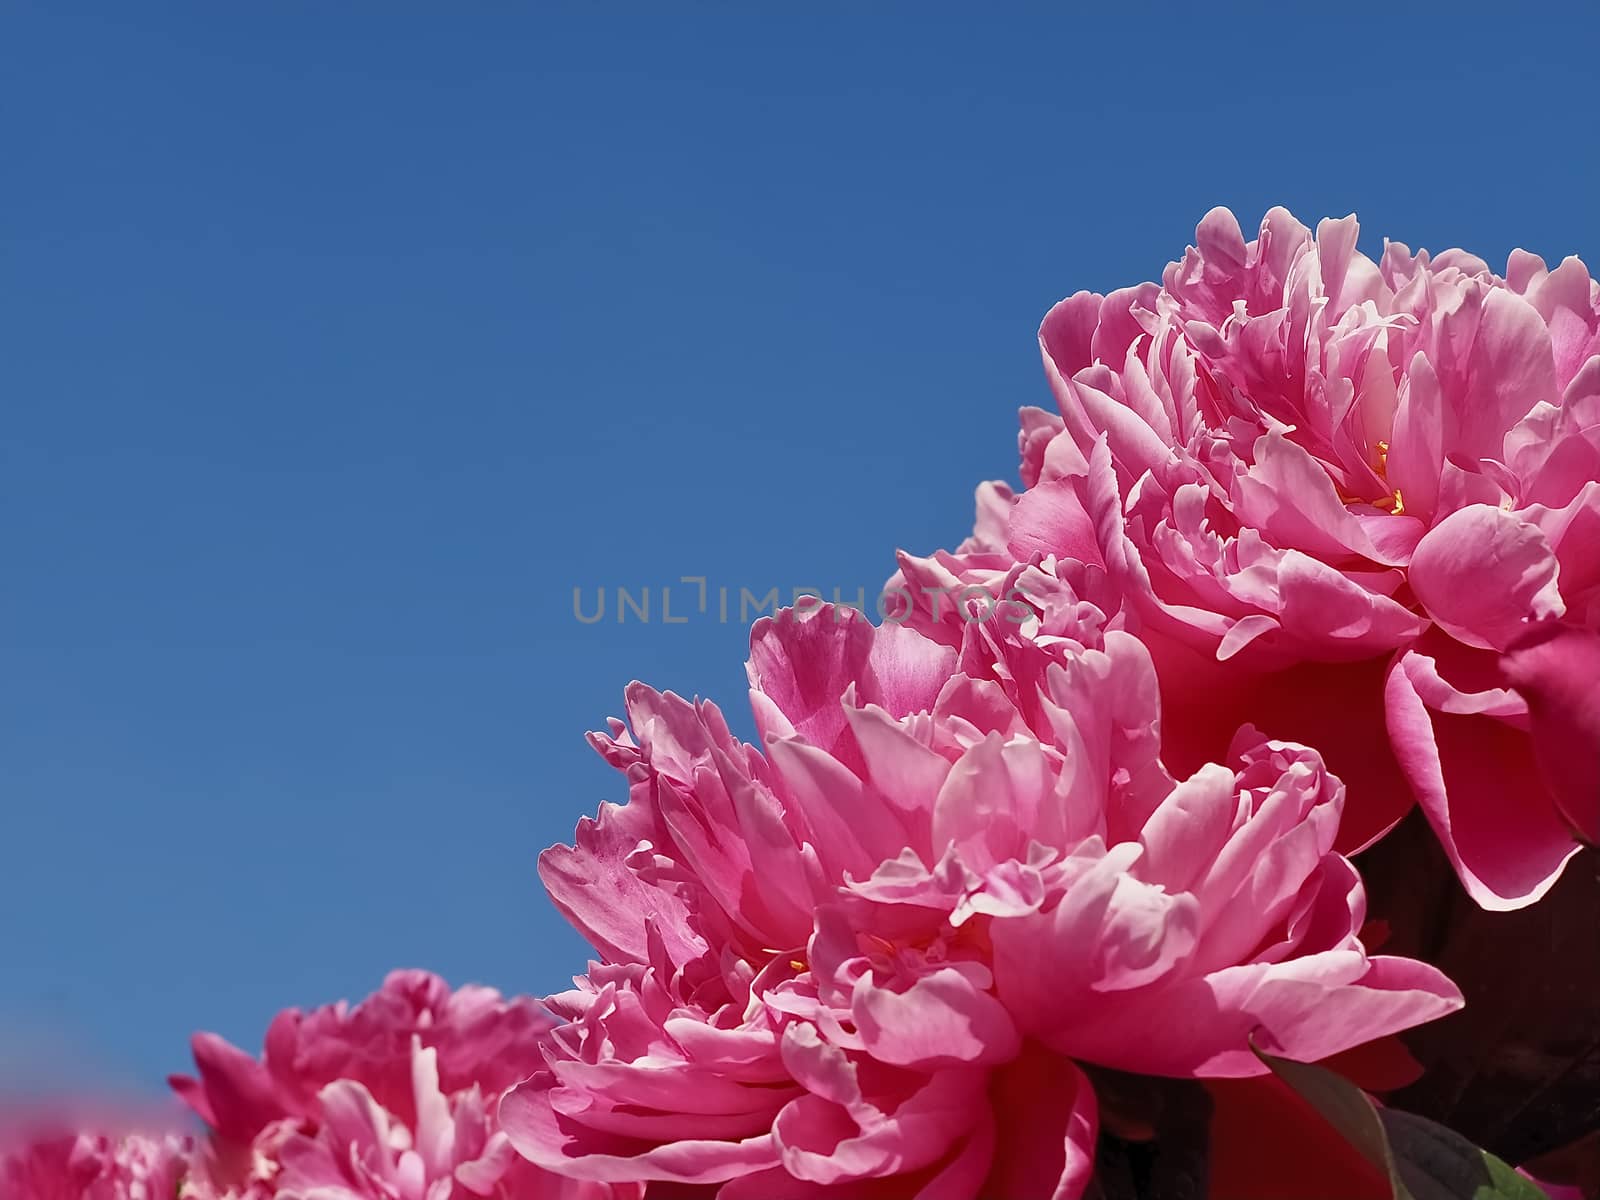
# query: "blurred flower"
x,y
391,1099
54,1165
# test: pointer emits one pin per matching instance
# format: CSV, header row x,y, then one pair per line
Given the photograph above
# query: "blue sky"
x,y
341,342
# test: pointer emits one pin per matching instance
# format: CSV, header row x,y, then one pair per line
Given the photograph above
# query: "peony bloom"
x,y
355,1149
391,1099
1335,493
95,1166
873,954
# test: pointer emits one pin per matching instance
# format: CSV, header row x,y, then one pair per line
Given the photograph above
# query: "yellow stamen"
x,y
797,964
1395,504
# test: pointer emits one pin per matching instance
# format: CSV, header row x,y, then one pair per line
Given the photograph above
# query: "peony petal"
x,y
1477,782
1557,670
1483,574
1050,519
234,1095
940,1020
1048,1123
603,898
1509,368
558,1142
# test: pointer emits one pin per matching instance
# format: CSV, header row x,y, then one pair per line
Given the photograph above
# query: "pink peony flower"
x,y
53,1165
871,956
355,1149
1335,493
391,1099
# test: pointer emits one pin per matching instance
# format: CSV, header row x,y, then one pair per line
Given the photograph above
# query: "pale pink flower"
x,y
869,954
56,1165
483,1039
1335,492
355,1149
390,1099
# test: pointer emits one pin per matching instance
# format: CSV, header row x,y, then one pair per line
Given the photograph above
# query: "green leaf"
x,y
1437,1164
1422,1160
1344,1106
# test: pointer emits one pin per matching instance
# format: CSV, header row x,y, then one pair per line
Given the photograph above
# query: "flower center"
x,y
1394,503
797,962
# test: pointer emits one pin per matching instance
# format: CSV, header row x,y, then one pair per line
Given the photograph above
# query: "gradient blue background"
x,y
339,342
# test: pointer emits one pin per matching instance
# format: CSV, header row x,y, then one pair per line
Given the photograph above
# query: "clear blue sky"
x,y
339,342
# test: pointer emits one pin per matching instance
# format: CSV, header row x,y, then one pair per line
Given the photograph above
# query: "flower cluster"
x,y
1061,888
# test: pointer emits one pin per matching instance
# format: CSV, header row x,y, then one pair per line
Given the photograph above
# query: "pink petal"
x,y
1557,670
1290,496
560,1143
1048,1122
1050,519
1476,780
604,899
1508,367
1483,574
237,1093
940,1020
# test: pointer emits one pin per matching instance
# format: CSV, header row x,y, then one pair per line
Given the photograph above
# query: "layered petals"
x,y
1293,463
45,1163
1001,880
394,1098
